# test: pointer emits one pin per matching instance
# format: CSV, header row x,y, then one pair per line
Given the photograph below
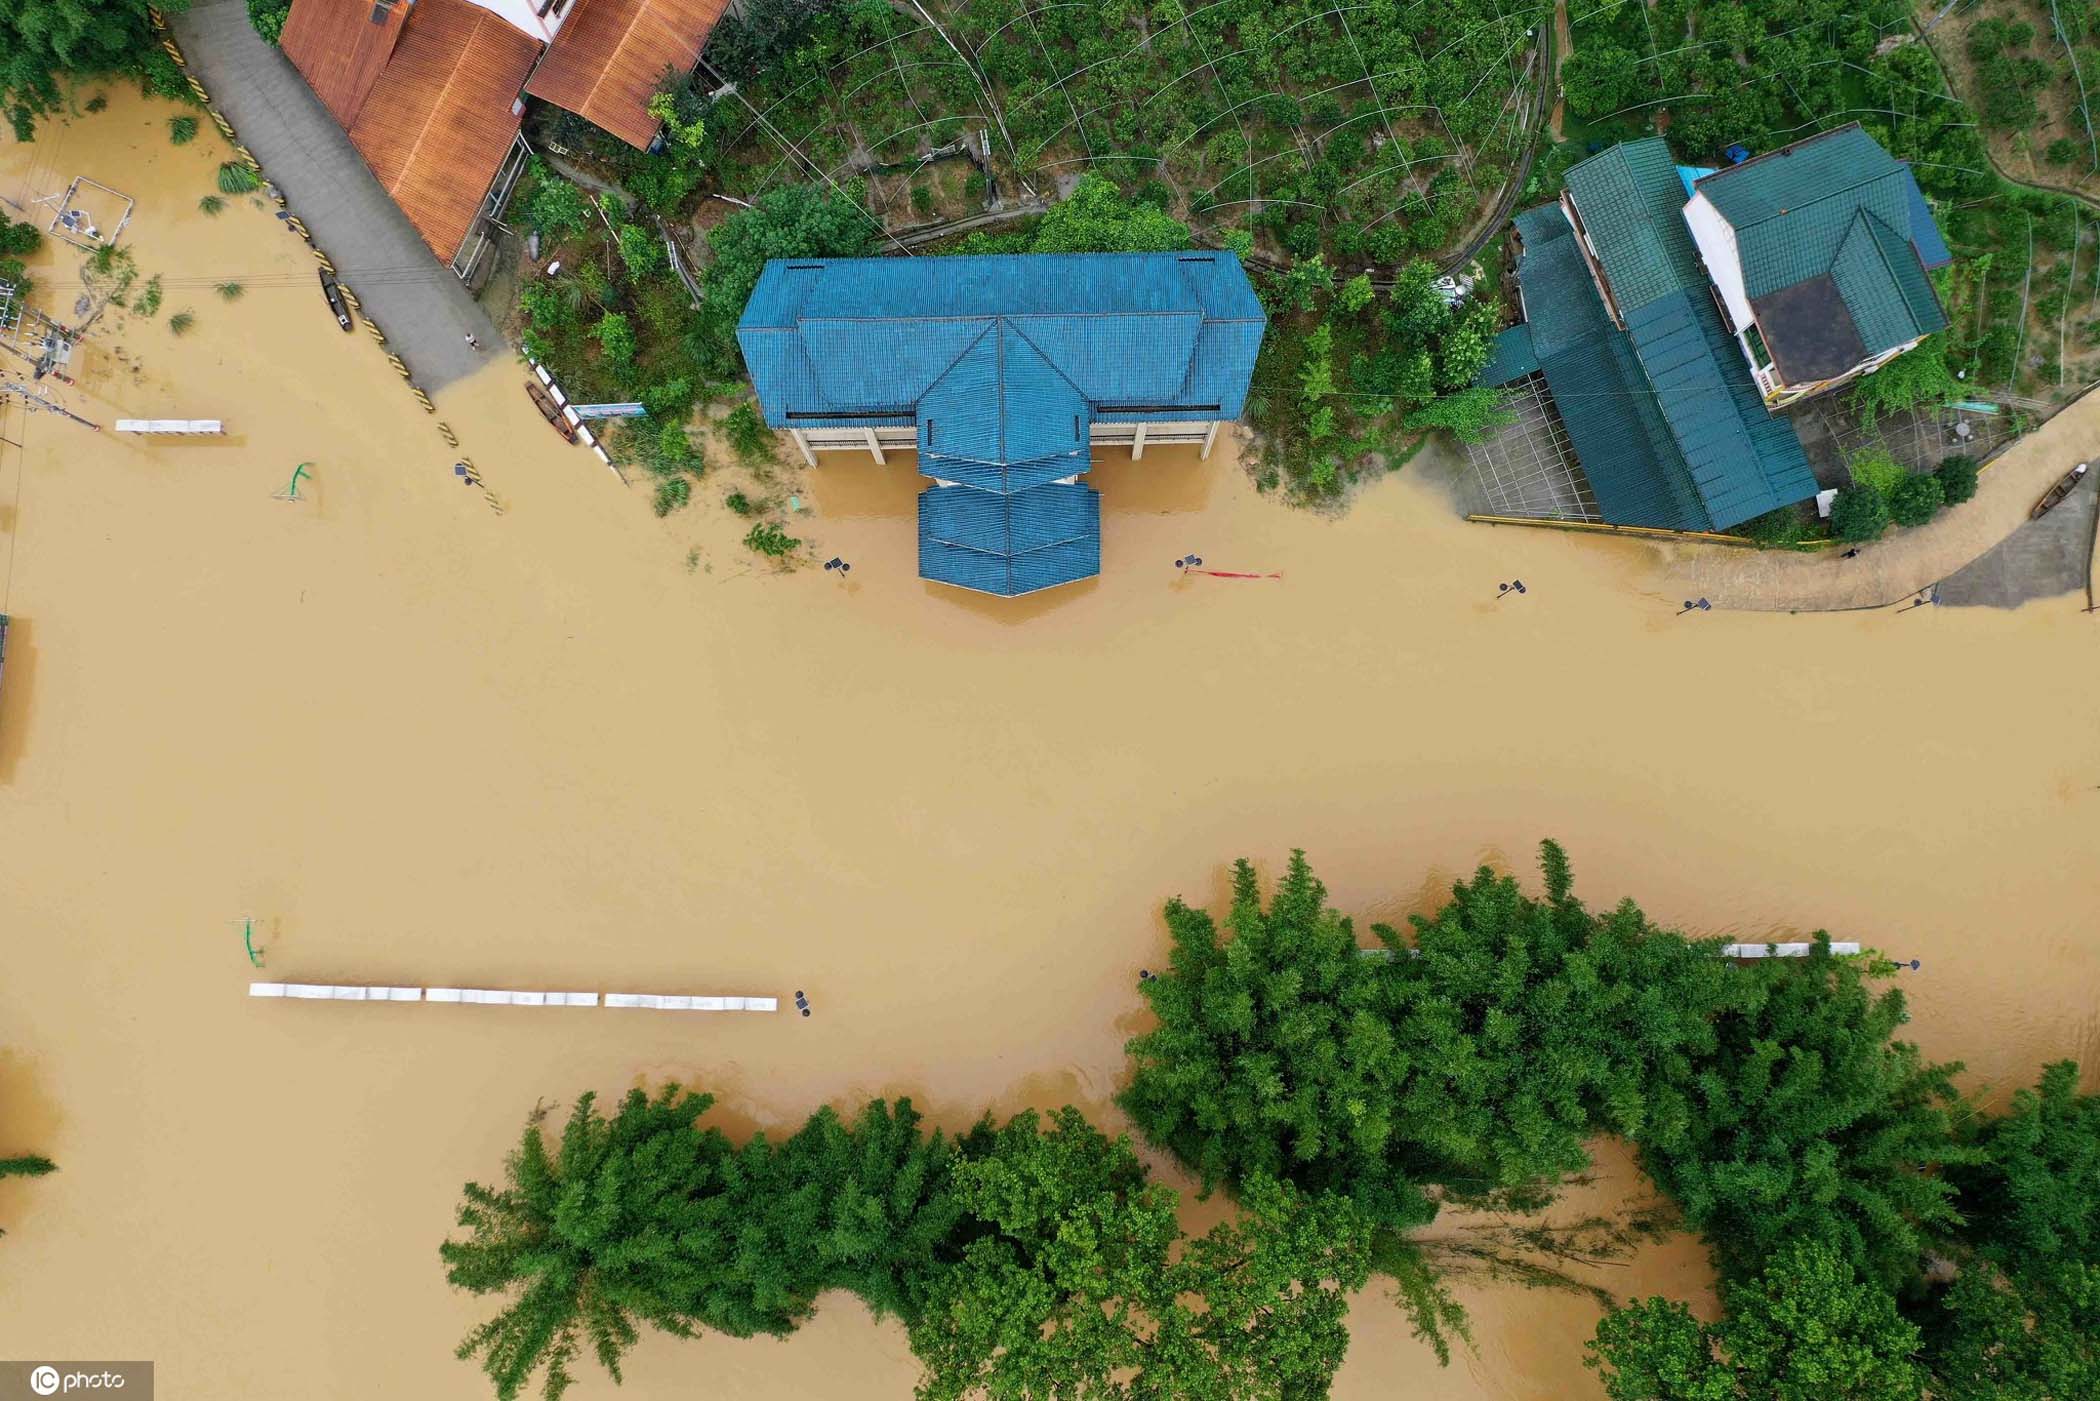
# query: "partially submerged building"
x,y
1669,310
1003,374
430,91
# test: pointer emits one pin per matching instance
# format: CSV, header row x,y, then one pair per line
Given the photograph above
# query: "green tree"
x,y
268,17
1072,1281
2031,1197
1599,78
2026,1337
18,240
1808,1121
1859,514
1957,478
1807,1328
616,1228
1916,500
1276,1053
42,41
797,221
615,336
556,209
1468,415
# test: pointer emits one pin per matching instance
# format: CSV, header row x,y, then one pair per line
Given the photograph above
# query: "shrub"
x,y
148,303
671,493
15,271
1957,478
770,540
748,435
18,240
181,322
921,200
182,130
556,209
1859,514
741,504
1875,470
237,179
211,204
1915,500
2062,151
1776,530
268,17
230,291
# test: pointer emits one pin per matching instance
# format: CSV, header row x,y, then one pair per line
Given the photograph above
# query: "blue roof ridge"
x,y
989,322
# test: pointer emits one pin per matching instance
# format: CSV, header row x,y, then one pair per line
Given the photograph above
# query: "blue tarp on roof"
x,y
1002,364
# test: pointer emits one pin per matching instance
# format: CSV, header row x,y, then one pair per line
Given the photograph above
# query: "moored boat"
x,y
2065,485
334,293
549,410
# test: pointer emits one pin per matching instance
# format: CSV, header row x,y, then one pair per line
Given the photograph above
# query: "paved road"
x,y
422,307
1905,562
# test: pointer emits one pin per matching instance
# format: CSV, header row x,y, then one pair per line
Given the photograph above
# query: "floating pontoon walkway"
x,y
502,997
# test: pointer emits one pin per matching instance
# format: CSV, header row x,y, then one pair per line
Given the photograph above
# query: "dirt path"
x,y
1904,562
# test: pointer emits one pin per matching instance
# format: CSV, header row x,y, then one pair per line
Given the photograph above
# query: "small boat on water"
x,y
2065,485
330,290
549,410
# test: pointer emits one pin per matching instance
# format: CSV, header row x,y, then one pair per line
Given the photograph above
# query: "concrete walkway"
x,y
1902,563
424,310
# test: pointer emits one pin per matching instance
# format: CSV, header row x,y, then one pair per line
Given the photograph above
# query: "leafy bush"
x,y
748,435
211,204
148,304
1776,530
770,540
18,240
1915,500
740,504
1876,470
555,209
268,17
1957,477
671,493
1859,514
235,178
230,291
182,130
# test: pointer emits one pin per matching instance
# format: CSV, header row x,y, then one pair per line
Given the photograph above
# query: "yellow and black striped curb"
x,y
298,226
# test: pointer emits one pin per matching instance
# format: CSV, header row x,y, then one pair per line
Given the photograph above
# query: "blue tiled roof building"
x,y
1001,366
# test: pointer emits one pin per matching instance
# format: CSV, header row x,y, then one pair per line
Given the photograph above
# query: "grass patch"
x,y
181,322
230,291
211,204
182,130
148,303
237,179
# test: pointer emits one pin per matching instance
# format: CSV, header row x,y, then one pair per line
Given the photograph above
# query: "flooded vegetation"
x,y
577,745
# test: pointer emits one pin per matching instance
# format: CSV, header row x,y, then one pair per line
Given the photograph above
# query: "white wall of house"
x,y
1717,249
524,16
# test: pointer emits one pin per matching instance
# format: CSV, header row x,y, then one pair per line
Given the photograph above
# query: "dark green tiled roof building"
x,y
1663,394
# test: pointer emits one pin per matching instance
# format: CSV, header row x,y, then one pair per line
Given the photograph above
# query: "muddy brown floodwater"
x,y
422,744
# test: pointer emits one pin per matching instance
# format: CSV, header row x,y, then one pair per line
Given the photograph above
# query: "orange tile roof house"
x,y
429,90
612,55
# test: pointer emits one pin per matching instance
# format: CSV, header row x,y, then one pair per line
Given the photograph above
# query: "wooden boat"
x,y
335,301
549,410
2065,485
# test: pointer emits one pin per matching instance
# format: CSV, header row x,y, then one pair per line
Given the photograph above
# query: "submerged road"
x,y
426,313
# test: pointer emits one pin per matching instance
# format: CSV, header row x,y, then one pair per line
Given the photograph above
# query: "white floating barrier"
x,y
1791,950
188,427
499,997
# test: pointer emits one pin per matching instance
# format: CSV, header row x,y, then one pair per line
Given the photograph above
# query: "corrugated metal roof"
x,y
1632,203
339,47
1003,363
438,121
610,56
1742,459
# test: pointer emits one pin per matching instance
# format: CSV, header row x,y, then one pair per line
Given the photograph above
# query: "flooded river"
x,y
577,746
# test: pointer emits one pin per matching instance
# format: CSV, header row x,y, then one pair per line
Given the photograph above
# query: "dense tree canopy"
x,y
1806,1328
1810,1122
796,221
44,41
